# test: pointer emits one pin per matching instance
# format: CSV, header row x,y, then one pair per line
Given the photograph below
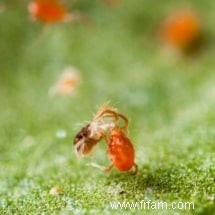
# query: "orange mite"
x,y
121,151
181,29
67,83
48,11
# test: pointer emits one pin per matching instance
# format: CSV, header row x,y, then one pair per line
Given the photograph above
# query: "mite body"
x,y
84,141
48,11
181,29
67,83
91,134
120,150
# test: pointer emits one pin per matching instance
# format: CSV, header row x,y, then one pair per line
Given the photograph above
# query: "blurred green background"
x,y
169,100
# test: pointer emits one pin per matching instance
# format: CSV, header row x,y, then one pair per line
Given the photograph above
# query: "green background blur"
x,y
169,100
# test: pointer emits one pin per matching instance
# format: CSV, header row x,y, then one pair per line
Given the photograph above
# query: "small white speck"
x,y
61,134
211,198
55,191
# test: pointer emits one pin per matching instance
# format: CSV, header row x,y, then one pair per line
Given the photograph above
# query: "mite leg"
x,y
107,113
125,127
103,168
115,115
112,113
108,168
135,169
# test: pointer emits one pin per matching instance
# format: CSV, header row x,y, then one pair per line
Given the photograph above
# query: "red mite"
x,y
48,11
121,151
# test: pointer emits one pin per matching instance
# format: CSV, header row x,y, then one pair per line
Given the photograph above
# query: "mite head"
x,y
83,141
94,131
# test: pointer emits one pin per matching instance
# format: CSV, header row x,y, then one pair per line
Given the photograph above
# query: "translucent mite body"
x,y
92,133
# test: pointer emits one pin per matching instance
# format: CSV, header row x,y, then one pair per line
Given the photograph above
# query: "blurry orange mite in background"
x,y
181,29
67,82
48,11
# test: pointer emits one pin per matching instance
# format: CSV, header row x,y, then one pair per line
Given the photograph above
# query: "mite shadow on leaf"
x,y
153,183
